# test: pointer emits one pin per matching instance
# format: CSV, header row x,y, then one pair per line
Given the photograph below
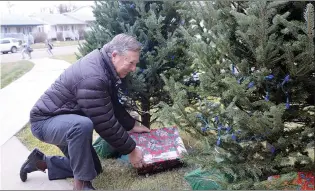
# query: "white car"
x,y
9,45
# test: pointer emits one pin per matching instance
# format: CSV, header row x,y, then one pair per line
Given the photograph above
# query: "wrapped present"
x,y
162,149
302,181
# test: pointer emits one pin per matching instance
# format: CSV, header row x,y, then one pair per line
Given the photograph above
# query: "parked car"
x,y
10,45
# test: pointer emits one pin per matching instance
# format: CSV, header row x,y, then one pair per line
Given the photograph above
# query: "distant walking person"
x,y
27,49
49,46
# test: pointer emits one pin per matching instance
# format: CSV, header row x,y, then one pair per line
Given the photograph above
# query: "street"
x,y
38,53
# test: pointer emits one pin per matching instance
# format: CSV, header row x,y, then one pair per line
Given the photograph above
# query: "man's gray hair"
x,y
122,43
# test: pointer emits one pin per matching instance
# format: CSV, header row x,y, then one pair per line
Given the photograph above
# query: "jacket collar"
x,y
110,66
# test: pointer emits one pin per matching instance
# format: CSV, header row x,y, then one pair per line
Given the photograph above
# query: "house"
x,y
84,13
59,26
67,26
17,26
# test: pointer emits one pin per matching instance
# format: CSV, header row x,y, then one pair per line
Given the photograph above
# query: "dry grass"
x,y
14,70
71,58
117,175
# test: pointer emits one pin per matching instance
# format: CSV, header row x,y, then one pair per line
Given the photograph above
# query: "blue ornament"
x,y
216,119
287,104
272,149
218,141
172,57
267,97
182,22
233,69
269,77
239,81
219,127
204,129
199,115
233,137
132,6
228,129
251,84
286,79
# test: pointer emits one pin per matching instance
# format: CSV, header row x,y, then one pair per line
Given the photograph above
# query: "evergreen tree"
x,y
257,75
155,25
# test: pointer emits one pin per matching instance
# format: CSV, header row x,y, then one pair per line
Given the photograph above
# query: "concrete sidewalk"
x,y
16,101
13,155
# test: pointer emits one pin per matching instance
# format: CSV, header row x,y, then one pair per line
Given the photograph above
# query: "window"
x,y
66,28
29,29
6,30
5,42
18,29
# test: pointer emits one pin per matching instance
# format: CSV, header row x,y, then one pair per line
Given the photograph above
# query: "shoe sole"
x,y
23,175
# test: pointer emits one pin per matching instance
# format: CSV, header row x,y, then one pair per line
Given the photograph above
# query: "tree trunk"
x,y
146,117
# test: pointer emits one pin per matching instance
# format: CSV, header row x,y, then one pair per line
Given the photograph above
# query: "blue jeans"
x,y
72,134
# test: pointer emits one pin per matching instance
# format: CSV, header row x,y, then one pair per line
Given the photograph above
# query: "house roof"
x,y
81,17
56,19
15,20
84,13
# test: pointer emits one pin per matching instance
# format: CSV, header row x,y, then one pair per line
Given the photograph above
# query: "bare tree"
x,y
51,11
9,6
64,8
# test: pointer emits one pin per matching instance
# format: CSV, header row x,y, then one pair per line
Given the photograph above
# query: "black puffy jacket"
x,y
89,88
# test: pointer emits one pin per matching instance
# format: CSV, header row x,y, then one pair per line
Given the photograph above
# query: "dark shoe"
x,y
31,164
82,185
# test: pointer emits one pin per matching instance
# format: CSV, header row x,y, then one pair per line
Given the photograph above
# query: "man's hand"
x,y
139,129
136,158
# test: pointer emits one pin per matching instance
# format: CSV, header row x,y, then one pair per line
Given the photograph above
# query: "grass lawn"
x,y
117,175
71,58
14,70
56,44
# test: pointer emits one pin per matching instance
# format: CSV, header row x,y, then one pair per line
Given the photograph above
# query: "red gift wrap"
x,y
162,149
303,180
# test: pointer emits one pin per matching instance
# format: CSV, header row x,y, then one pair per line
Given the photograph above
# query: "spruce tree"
x,y
155,25
254,111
